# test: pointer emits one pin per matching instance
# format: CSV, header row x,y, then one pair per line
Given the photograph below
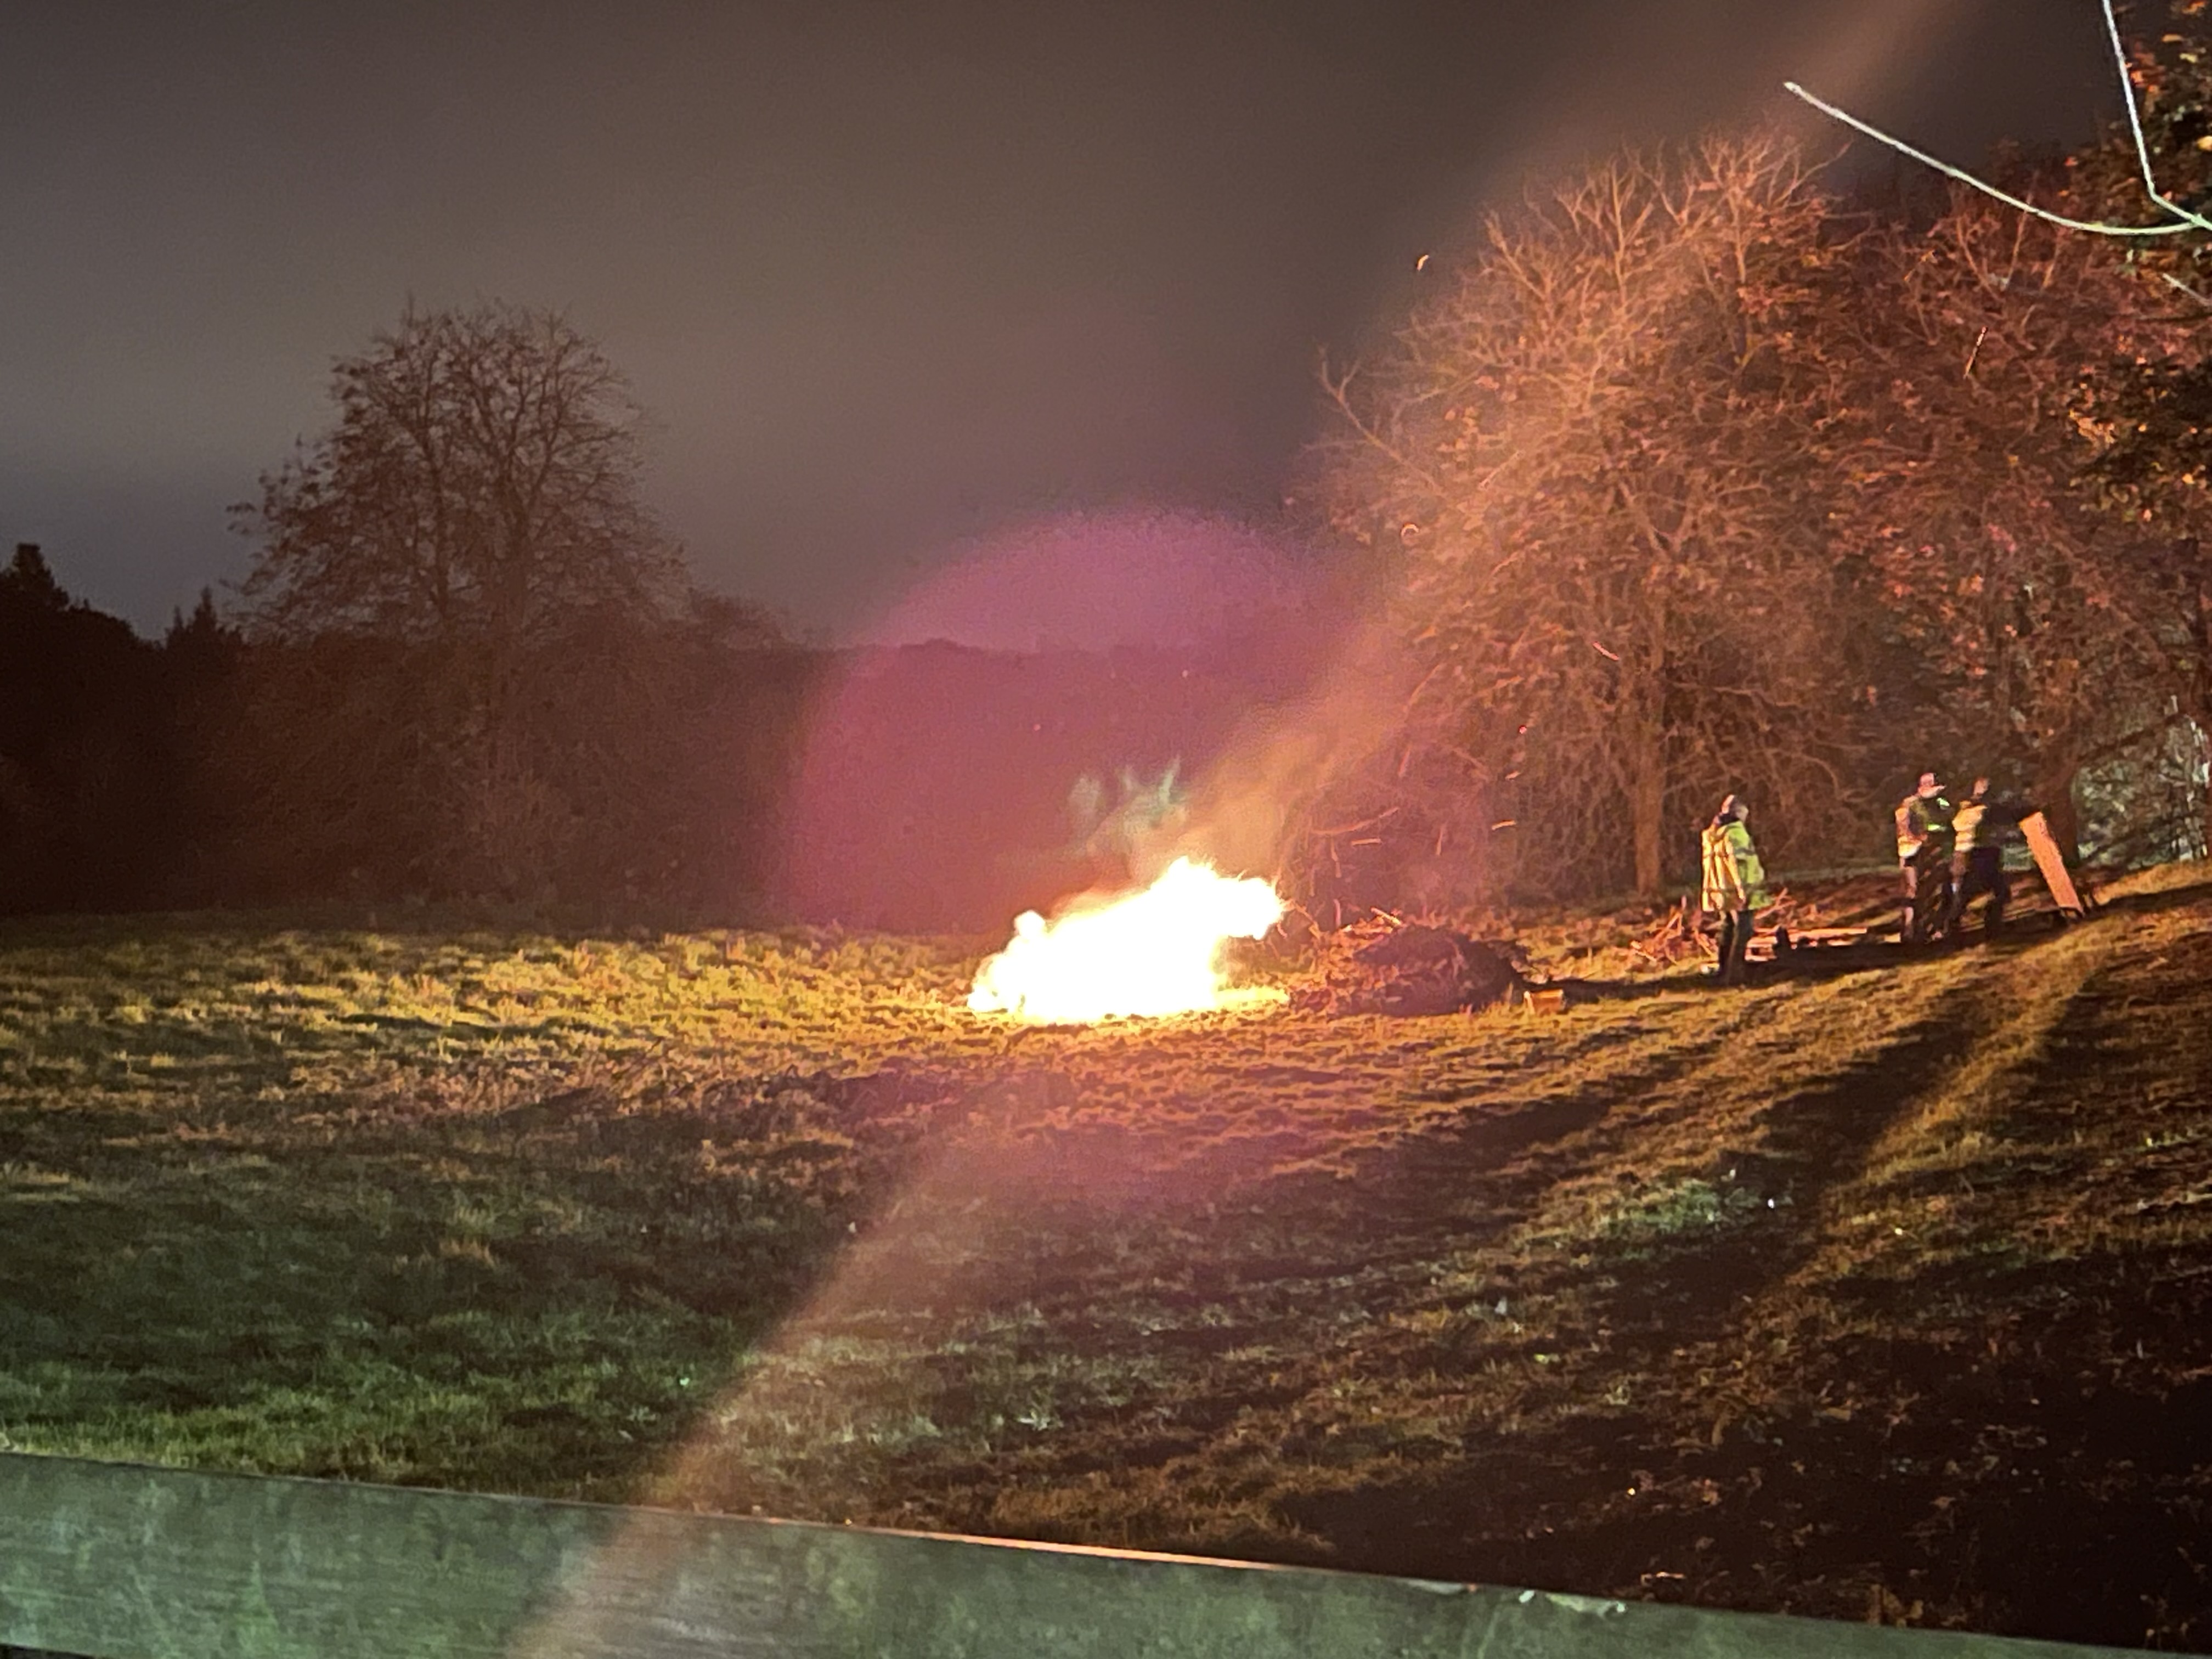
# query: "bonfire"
x,y
1152,952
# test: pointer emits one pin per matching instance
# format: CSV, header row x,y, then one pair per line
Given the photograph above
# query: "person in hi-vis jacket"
x,y
1734,885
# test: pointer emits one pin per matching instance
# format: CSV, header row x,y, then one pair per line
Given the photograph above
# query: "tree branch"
x,y
2179,221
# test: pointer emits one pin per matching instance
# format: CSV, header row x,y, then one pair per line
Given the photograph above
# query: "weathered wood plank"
x,y
2052,863
116,1561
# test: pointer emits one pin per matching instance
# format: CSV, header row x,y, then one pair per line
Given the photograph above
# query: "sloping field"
x,y
1881,1294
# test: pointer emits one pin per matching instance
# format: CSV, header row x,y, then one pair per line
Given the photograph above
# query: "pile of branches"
x,y
1385,966
1683,932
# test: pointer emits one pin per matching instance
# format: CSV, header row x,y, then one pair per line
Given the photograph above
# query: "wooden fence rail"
x,y
118,1561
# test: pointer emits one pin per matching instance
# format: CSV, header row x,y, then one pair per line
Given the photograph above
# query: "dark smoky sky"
x,y
888,277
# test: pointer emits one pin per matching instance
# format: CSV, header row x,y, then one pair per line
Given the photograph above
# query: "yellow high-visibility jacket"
x,y
1966,826
1735,878
1920,818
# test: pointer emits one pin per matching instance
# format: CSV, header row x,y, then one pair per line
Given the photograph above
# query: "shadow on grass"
x,y
2039,1461
1811,966
216,1319
1664,1287
2159,899
533,1301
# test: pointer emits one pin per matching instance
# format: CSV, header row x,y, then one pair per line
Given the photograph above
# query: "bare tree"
x,y
1955,431
1590,459
482,485
2146,408
472,518
2151,425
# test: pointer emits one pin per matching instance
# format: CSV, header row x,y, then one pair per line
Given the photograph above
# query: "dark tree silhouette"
x,y
92,754
455,579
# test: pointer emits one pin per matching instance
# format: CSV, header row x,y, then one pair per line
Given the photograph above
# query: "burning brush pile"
x,y
1386,966
1156,951
1166,949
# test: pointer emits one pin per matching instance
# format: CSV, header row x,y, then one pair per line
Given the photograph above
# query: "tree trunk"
x,y
2203,729
1647,802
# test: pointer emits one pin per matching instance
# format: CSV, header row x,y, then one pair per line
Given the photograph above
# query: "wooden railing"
x,y
119,1561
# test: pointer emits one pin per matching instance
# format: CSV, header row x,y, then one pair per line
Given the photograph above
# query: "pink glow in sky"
x,y
1093,580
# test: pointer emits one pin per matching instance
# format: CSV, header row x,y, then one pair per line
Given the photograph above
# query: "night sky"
x,y
888,277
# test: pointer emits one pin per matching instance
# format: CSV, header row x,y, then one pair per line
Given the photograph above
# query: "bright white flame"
x,y
1157,951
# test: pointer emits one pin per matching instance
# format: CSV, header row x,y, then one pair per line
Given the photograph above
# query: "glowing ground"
x,y
1881,1294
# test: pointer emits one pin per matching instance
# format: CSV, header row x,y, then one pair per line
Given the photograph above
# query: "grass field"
x,y
1878,1294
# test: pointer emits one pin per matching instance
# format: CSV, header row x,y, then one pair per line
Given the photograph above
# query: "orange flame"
x,y
1150,952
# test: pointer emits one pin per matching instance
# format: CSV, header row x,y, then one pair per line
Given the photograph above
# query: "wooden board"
x,y
1804,941
2049,862
119,1561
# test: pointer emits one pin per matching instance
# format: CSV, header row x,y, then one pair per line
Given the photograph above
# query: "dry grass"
x,y
1876,1294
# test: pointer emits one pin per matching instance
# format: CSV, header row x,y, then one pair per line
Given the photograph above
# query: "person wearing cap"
x,y
1978,831
1923,837
1734,885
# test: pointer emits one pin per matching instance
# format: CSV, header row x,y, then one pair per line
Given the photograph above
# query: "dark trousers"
x,y
1926,907
1977,871
1735,935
